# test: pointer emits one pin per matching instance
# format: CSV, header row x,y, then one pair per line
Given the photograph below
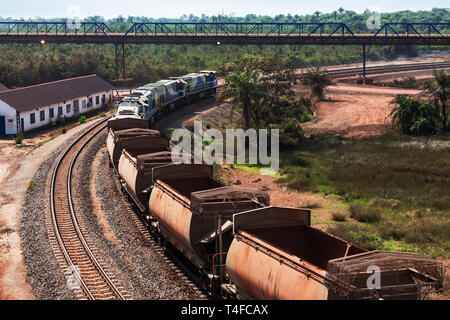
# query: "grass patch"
x,y
31,184
396,187
364,213
339,216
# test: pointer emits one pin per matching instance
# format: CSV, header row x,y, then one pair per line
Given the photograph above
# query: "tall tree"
x,y
241,87
318,80
438,91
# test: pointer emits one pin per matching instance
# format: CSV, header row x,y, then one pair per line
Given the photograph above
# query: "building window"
x,y
90,102
52,113
97,100
103,99
83,104
68,108
42,115
60,111
32,118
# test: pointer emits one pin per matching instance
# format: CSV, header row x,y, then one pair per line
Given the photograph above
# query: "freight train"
x,y
238,245
154,100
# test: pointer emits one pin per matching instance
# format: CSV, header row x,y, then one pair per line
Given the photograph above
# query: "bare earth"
x,y
355,111
17,167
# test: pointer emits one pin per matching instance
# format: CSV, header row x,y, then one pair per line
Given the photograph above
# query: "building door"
x,y
76,107
2,126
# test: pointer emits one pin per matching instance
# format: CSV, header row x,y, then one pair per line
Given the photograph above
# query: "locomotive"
x,y
239,246
154,100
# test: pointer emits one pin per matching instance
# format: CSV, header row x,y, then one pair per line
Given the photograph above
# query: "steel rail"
x,y
57,231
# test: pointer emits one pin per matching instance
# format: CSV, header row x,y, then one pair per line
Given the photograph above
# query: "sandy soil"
x,y
356,111
17,167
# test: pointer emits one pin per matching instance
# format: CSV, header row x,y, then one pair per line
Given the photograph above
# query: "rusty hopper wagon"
x,y
194,211
118,140
277,255
138,158
119,130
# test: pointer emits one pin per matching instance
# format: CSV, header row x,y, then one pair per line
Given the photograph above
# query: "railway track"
x,y
80,259
388,69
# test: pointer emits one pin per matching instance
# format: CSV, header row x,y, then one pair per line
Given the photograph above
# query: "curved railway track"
x,y
80,258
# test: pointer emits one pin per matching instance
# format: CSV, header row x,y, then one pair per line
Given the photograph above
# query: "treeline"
x,y
23,65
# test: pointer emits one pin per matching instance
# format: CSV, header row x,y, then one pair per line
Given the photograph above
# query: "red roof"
x,y
46,94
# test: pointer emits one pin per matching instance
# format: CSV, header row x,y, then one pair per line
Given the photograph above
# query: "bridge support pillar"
x,y
117,62
120,59
364,63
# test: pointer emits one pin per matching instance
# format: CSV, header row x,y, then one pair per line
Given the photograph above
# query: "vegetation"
x,y
438,91
19,138
339,216
398,185
22,65
262,89
409,82
415,116
31,184
318,80
82,119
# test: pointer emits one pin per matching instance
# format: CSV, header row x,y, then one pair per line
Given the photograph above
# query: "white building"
x,y
32,107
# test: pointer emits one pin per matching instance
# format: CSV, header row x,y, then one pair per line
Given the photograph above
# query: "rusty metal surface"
x,y
170,204
135,164
127,123
283,260
118,140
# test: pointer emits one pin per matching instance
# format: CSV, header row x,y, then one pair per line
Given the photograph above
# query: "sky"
x,y
176,8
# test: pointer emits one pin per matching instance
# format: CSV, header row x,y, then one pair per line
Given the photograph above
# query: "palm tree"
x,y
241,87
438,90
318,80
413,116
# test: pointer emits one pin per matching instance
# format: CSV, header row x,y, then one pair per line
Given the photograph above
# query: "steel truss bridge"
x,y
221,33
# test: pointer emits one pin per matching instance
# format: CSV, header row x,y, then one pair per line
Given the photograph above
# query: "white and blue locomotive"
x,y
154,100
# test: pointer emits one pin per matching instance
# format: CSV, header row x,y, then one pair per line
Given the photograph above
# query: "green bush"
x,y
415,117
339,216
82,120
102,114
31,184
291,134
364,213
19,138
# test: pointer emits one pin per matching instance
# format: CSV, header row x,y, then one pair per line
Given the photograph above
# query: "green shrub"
x,y
102,114
31,184
82,120
19,138
416,117
339,216
291,134
364,213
